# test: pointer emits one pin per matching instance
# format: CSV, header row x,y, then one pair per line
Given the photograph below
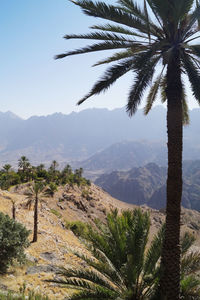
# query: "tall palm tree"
x,y
122,266
157,44
34,195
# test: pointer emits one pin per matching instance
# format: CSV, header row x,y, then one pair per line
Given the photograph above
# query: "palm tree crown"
x,y
145,44
123,264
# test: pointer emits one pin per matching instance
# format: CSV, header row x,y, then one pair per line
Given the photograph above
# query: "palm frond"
x,y
190,288
185,109
195,49
132,8
161,9
190,263
110,76
142,80
121,55
102,265
99,293
193,75
86,278
194,17
181,8
117,29
163,85
198,5
99,36
187,240
154,252
152,94
108,45
147,20
112,13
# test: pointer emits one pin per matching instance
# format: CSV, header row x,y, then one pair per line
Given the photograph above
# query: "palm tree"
x,y
51,189
7,168
23,163
160,45
34,196
24,168
121,267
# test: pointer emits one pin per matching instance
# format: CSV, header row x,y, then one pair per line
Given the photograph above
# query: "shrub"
x,y
56,213
79,228
13,241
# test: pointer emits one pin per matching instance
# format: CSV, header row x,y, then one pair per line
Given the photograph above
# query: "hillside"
x,y
146,185
54,241
65,139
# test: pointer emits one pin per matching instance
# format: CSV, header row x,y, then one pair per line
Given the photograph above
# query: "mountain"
x,y
147,185
78,136
128,154
124,156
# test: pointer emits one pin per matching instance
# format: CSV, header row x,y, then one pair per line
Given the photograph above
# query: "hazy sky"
x,y
32,82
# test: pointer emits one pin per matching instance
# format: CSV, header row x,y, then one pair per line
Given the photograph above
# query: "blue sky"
x,y
32,82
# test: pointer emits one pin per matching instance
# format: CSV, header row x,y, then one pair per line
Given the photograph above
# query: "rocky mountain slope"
x,y
129,154
54,240
146,185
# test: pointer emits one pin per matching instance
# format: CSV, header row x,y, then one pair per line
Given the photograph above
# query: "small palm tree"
x,y
23,163
34,195
51,189
122,266
13,208
7,168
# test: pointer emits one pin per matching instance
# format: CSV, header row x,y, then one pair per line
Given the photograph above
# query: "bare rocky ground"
x,y
54,240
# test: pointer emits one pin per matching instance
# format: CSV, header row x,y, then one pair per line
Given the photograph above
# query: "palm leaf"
x,y
152,94
132,8
112,13
121,55
190,288
194,17
117,29
142,80
185,110
193,75
154,252
110,76
108,45
190,263
187,240
99,36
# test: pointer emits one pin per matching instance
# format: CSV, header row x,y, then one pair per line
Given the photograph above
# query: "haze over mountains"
x,y
78,136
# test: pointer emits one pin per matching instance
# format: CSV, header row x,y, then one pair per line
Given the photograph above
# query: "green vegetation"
x,y
56,213
157,42
13,241
22,296
79,228
51,177
123,266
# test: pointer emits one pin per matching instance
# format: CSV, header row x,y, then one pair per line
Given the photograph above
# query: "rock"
x,y
41,268
48,256
3,287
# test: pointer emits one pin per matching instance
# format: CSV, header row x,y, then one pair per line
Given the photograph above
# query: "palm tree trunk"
x,y
170,280
35,230
13,211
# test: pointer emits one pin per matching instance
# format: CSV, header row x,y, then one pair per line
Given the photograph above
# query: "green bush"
x,y
56,213
13,241
79,228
